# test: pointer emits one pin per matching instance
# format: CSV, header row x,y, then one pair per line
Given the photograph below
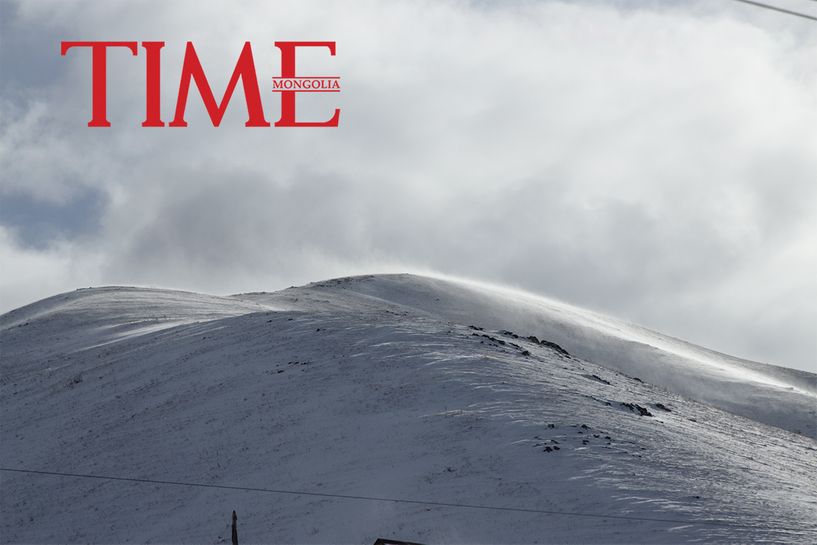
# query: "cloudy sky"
x,y
653,160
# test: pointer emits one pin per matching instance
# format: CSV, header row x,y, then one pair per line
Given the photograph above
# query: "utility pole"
x,y
235,529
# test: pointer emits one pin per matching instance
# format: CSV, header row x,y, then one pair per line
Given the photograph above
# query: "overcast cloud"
x,y
655,162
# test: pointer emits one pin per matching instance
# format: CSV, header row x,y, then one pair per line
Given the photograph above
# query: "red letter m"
x,y
244,69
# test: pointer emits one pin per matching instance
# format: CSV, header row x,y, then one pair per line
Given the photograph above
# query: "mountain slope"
x,y
774,395
386,387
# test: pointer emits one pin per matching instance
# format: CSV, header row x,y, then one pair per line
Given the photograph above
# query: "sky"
x,y
655,161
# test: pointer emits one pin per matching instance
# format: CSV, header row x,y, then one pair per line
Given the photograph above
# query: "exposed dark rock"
x,y
597,379
642,411
556,347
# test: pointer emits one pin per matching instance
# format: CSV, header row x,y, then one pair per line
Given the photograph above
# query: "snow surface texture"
x,y
398,387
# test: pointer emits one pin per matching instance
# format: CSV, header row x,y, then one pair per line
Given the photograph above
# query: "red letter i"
x,y
153,76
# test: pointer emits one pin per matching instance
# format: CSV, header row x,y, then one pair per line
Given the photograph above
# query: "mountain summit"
x,y
423,409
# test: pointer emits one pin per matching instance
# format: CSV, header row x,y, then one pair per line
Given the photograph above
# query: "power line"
x,y
710,522
775,8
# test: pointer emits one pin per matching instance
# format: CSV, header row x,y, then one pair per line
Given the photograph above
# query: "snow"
x,y
379,386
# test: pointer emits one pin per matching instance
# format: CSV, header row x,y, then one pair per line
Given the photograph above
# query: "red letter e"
x,y
288,97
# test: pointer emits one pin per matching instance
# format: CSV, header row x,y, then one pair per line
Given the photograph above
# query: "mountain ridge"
x,y
398,387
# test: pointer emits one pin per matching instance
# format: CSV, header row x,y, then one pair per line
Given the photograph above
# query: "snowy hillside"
x,y
421,409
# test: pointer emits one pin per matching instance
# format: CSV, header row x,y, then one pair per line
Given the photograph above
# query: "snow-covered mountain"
x,y
422,409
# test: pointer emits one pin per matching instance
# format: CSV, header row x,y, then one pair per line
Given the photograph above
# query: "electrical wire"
x,y
710,522
775,8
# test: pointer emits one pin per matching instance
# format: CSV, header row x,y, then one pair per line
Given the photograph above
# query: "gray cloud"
x,y
38,224
27,59
655,163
